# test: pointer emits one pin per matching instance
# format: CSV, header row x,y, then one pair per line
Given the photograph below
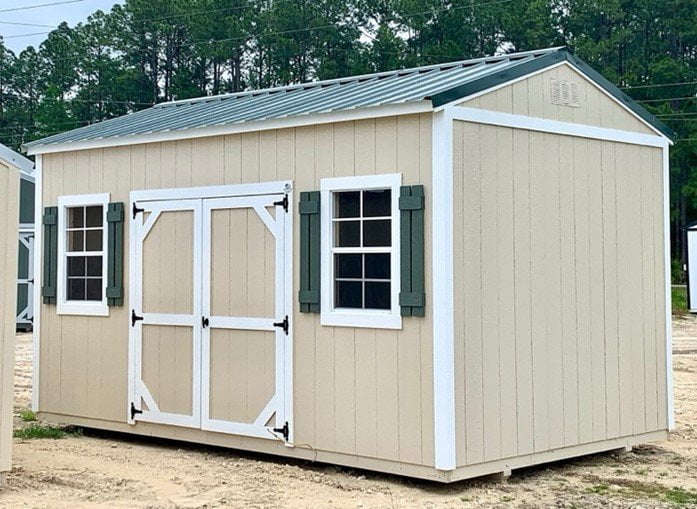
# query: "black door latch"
x,y
134,318
204,322
283,325
285,431
283,203
134,411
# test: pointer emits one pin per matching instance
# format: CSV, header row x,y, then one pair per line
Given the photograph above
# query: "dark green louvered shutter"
x,y
114,290
309,293
50,275
412,298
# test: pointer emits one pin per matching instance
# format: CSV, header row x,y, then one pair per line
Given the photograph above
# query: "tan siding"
x,y
532,96
9,223
361,392
556,255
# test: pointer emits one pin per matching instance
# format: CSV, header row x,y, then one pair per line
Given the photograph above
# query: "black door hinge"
x,y
285,325
31,281
134,411
136,210
285,431
204,322
134,318
283,203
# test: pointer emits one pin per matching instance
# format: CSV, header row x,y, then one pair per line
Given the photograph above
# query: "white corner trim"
x,y
669,301
443,292
554,126
242,127
38,278
376,319
81,308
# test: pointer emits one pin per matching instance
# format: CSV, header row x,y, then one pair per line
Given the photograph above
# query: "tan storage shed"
x,y
9,227
439,272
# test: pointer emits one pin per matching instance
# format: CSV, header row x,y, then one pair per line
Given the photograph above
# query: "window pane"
x,y
76,217
377,233
377,295
94,265
348,294
347,233
377,203
93,240
377,266
94,289
76,289
76,266
347,204
94,216
349,265
76,241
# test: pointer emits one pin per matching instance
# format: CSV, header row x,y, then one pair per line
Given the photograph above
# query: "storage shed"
x,y
9,214
690,238
440,272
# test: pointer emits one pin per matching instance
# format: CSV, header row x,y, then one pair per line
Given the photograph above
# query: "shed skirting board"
x,y
249,444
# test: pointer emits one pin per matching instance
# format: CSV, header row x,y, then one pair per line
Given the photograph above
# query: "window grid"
x,y
360,249
88,290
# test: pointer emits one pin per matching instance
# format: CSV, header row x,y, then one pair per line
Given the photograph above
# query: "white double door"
x,y
210,290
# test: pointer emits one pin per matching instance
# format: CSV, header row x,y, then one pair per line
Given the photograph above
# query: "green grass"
x,y
27,416
599,489
637,490
679,297
36,430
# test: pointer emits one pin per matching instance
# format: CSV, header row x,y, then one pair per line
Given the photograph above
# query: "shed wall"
x,y
533,97
560,296
9,223
360,392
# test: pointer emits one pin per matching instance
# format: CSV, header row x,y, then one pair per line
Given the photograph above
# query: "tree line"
x,y
149,51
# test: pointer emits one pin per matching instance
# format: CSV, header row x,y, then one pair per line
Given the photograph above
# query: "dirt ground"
x,y
109,470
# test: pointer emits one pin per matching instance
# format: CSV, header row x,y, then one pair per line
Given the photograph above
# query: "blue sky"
x,y
73,13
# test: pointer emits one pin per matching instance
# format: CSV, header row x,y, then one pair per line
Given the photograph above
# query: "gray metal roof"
x,y
25,166
438,83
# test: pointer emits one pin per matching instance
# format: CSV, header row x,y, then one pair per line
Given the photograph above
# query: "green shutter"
x,y
309,293
412,298
114,289
50,275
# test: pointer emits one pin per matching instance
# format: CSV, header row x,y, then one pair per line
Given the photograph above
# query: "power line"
x,y
666,99
27,24
660,85
24,35
38,6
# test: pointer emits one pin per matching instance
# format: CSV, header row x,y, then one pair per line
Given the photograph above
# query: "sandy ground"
x,y
109,470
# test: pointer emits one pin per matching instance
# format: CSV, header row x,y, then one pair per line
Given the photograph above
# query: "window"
x,y
82,255
360,251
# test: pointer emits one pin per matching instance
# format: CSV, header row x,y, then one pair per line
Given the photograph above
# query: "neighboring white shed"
x,y
440,272
690,232
9,216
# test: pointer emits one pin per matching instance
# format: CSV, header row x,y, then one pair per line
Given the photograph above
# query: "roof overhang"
x,y
242,127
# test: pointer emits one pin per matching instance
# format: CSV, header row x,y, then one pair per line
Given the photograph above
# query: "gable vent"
x,y
566,93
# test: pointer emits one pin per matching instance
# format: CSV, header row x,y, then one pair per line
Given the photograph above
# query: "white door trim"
x,y
38,278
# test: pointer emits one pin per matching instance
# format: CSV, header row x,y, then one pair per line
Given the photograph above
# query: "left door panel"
x,y
166,309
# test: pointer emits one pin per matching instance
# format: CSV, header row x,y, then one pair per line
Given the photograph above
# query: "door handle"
x,y
204,322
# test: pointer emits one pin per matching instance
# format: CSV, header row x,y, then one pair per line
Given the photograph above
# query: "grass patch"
x,y
35,431
681,496
679,298
27,416
599,489
635,490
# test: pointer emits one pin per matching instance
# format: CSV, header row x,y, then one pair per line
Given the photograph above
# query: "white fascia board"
x,y
38,279
478,116
243,127
443,293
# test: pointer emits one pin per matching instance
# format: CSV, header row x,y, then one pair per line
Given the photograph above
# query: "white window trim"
x,y
64,306
375,319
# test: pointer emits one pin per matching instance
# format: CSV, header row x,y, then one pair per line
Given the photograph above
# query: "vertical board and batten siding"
x,y
9,224
361,392
560,312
